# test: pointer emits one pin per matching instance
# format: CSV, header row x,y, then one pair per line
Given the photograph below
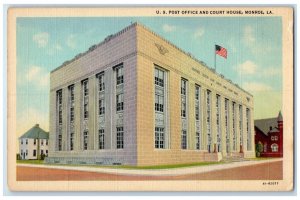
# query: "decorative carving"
x,y
162,50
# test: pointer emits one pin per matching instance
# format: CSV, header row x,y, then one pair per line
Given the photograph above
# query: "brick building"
x,y
269,132
137,99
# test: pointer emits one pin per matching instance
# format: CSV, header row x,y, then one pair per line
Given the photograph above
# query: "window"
x,y
159,77
72,114
101,107
274,147
85,99
159,103
59,141
34,153
183,87
241,124
272,138
249,143
233,127
120,102
42,152
183,139
59,105
197,102
26,152
101,139
275,138
42,142
71,103
120,138
101,85
85,88
119,75
197,140
208,119
71,141
159,138
218,121
34,142
85,140
26,141
21,141
183,97
183,108
46,142
227,125
46,152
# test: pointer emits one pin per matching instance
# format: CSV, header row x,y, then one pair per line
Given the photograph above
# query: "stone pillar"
x,y
191,116
109,105
92,103
78,117
223,127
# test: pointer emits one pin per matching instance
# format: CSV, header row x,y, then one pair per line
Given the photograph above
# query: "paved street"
x,y
257,171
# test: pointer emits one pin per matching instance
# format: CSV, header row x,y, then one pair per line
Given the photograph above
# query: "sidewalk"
x,y
157,172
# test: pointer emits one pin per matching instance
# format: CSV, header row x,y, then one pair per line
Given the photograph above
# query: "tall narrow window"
x,y
241,124
183,97
85,140
197,116
101,107
119,75
120,138
248,128
59,105
59,119
218,122
85,99
159,103
71,103
120,102
101,85
159,138
159,77
198,140
71,141
101,139
183,139
208,119
233,127
227,125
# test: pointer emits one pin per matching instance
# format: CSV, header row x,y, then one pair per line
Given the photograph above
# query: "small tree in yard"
x,y
259,149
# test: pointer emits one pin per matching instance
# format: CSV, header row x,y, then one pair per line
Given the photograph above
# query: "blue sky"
x,y
254,60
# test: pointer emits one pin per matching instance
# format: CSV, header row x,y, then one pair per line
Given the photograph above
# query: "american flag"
x,y
221,51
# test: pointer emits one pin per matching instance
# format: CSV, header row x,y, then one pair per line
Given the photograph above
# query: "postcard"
x,y
150,99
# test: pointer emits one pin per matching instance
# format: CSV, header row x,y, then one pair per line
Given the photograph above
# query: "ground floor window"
x,y
183,139
197,140
85,140
159,138
120,138
34,153
101,139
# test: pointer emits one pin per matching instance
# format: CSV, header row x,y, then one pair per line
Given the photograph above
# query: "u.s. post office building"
x,y
137,99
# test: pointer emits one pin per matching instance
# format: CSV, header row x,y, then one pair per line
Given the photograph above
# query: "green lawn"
x,y
41,162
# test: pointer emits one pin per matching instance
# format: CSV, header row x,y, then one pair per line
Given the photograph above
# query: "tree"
x,y
259,149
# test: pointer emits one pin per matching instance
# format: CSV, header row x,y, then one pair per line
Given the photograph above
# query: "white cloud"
x,y
41,39
169,28
256,87
199,33
248,35
57,47
248,67
71,42
38,76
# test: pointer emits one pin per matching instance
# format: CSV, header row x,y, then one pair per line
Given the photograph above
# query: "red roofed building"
x,y
269,132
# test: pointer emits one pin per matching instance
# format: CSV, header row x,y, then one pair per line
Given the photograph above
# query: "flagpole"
x,y
215,58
